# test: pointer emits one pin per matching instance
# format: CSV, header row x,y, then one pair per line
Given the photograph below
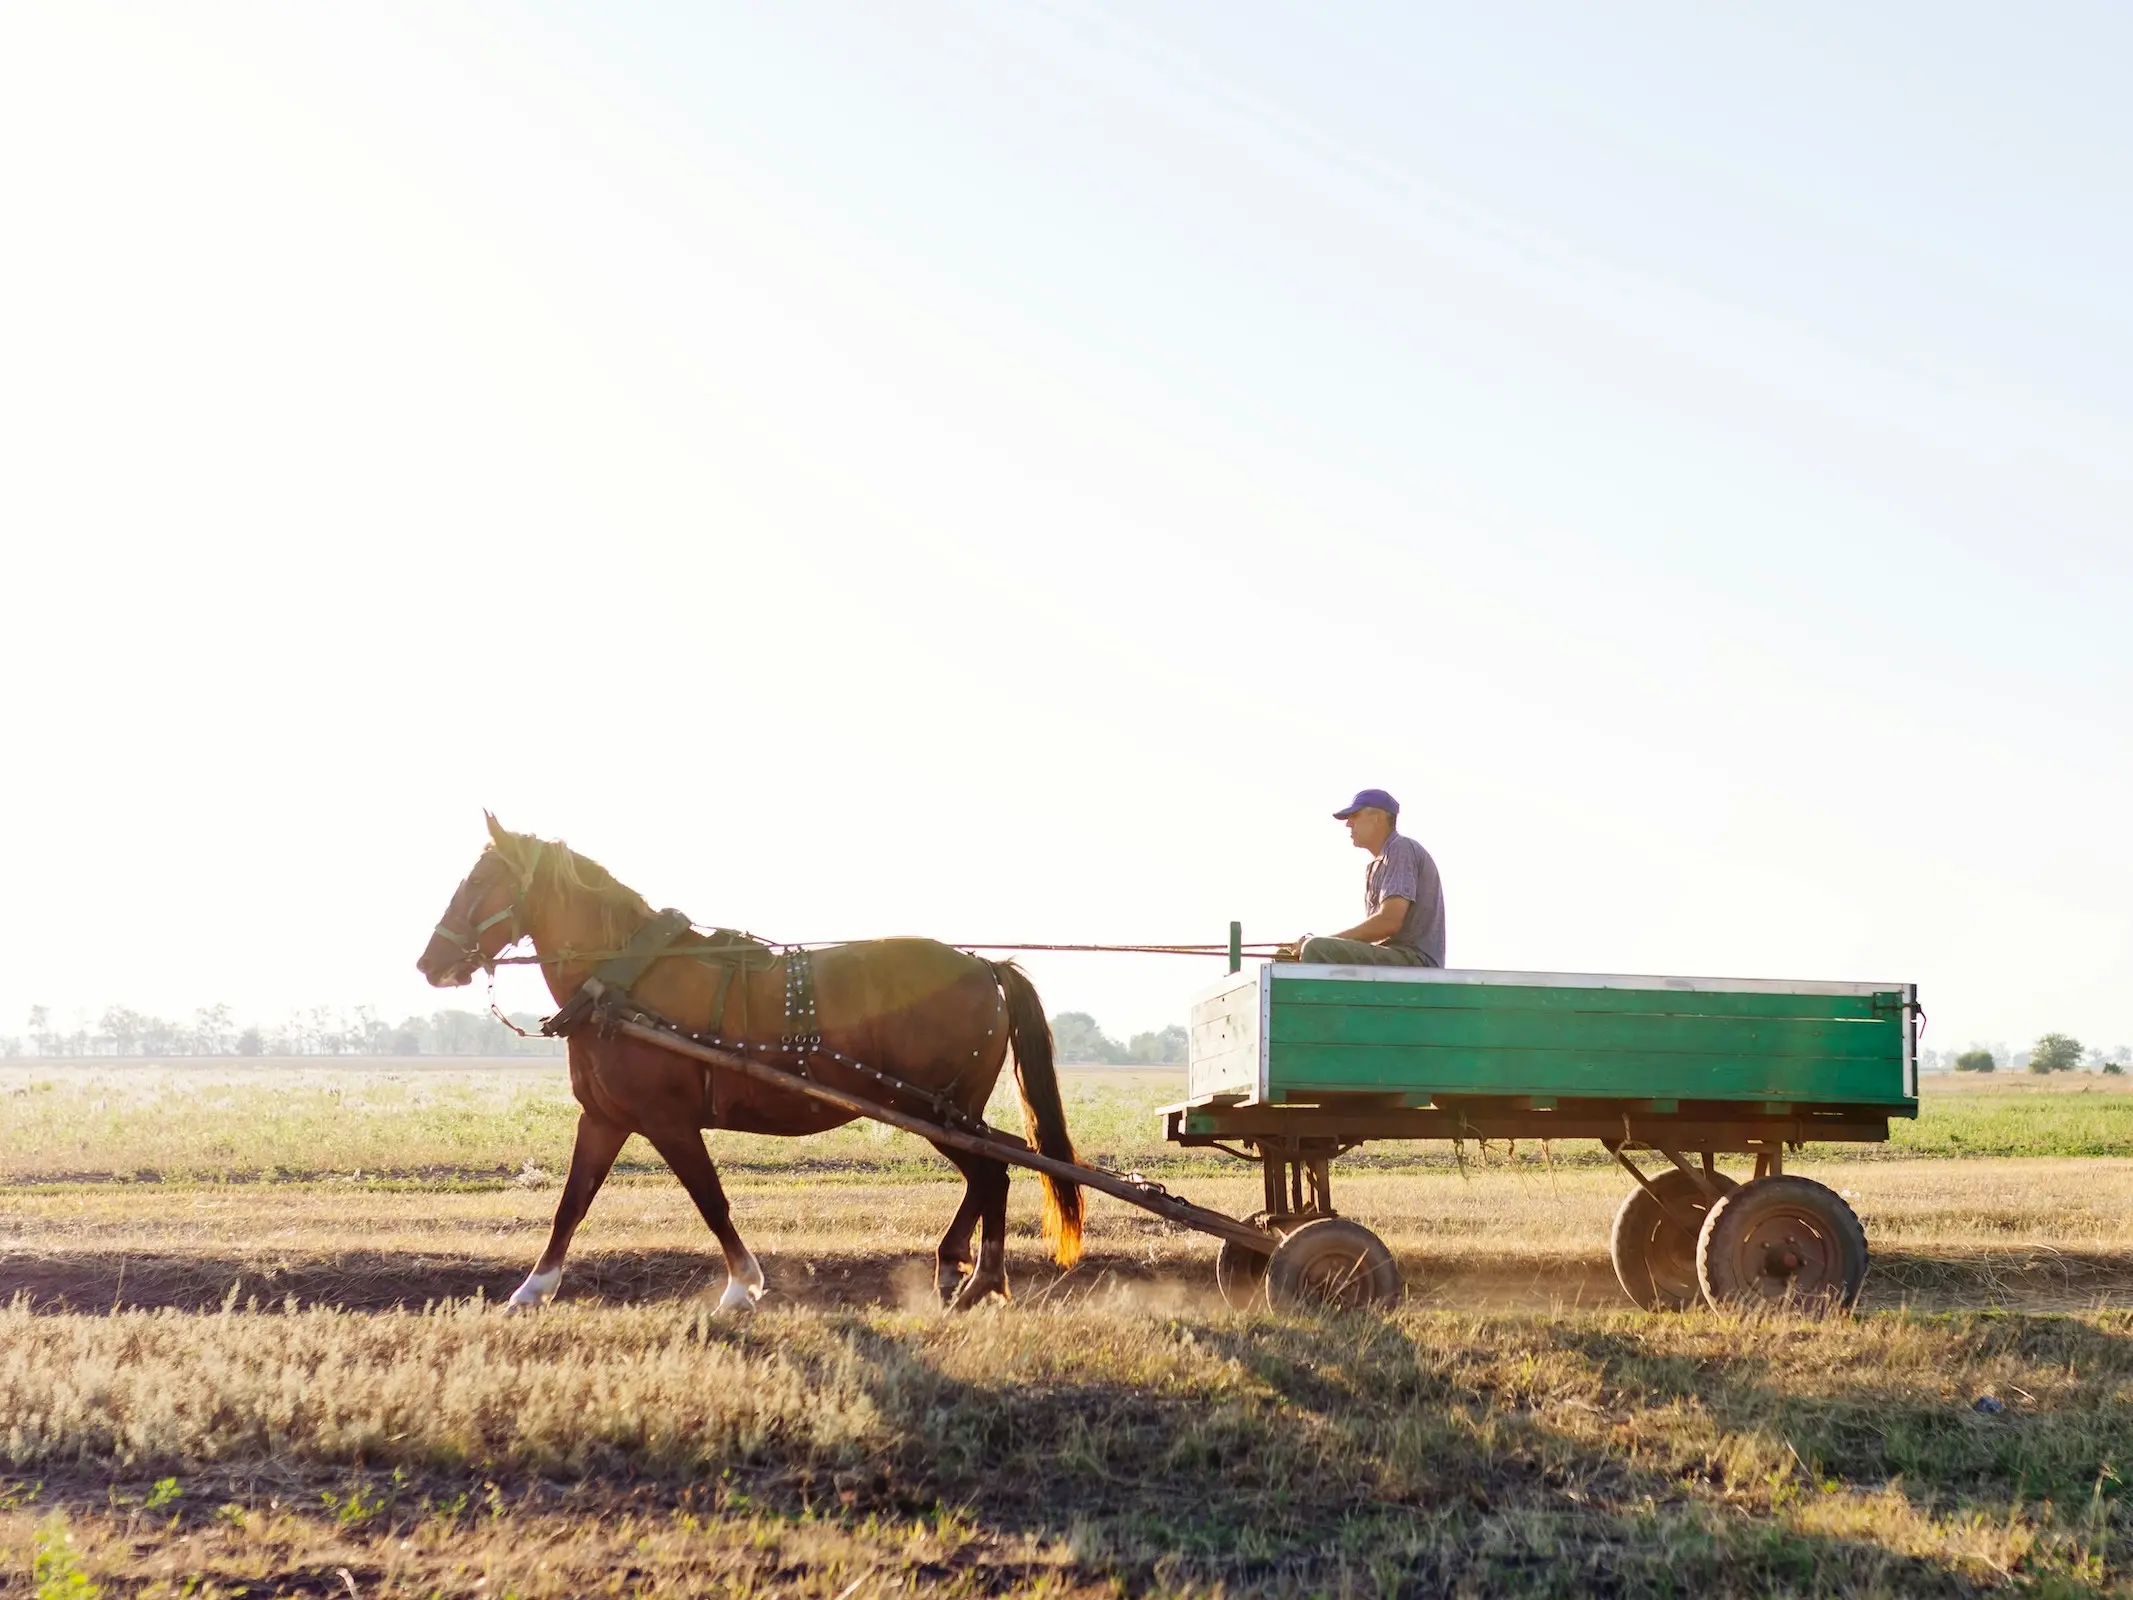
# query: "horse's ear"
x,y
498,834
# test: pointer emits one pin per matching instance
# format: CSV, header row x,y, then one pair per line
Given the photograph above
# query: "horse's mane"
x,y
622,910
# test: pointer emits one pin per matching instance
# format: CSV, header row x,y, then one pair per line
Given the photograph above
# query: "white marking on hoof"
x,y
743,1288
537,1287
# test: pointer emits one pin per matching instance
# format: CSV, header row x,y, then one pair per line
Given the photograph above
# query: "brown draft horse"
x,y
923,1012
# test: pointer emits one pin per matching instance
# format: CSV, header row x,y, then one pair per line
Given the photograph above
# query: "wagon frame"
x,y
1565,1047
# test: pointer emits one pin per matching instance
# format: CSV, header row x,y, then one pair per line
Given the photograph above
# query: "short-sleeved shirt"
x,y
1403,870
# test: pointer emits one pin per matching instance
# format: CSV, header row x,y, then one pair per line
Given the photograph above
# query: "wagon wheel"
x,y
1655,1257
1241,1274
1332,1263
1782,1239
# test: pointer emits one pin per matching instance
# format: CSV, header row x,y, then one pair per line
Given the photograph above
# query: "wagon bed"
x,y
1292,1065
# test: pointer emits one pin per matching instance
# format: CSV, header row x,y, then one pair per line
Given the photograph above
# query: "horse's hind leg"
x,y
683,1150
591,1159
987,1194
951,1259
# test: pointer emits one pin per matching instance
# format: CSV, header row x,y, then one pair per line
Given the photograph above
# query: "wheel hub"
x,y
1787,1257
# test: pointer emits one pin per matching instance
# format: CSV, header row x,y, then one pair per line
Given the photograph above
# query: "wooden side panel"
x,y
1658,1033
1639,1002
1449,1039
1222,1056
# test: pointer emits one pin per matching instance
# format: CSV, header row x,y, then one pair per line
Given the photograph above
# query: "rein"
x,y
1267,948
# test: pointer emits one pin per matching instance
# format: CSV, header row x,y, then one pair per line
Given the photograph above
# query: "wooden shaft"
x,y
994,1144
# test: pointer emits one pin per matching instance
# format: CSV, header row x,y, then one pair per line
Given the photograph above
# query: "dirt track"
x,y
2043,1235
378,1280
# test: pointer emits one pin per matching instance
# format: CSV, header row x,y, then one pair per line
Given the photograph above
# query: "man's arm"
x,y
1381,926
1375,930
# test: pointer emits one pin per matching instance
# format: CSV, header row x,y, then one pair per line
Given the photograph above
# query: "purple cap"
x,y
1369,797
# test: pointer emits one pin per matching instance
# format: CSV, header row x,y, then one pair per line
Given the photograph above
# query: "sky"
x,y
1008,472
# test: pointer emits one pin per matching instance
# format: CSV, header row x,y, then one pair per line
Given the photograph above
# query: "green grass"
x,y
2078,1122
491,1125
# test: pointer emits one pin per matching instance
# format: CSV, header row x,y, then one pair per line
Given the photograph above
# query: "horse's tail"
x,y
1042,1113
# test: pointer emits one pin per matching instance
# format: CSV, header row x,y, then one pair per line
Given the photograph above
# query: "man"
x,y
1403,898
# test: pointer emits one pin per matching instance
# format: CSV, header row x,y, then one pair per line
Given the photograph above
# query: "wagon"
x,y
1292,1066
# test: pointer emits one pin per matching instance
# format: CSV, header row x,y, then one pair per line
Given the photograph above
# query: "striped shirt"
x,y
1403,870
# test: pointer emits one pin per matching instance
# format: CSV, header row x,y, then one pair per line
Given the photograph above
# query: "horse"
x,y
934,1017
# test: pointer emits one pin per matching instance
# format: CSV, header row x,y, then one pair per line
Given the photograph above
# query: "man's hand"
x,y
1382,926
1292,951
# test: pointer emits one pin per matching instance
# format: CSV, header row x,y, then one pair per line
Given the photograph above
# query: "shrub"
x,y
1975,1061
2055,1052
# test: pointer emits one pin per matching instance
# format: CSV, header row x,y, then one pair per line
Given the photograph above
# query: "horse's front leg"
x,y
683,1150
591,1159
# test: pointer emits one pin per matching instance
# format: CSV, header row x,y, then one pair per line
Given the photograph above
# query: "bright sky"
x,y
1007,472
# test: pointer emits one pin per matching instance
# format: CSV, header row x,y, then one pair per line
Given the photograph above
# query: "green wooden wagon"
x,y
1290,1066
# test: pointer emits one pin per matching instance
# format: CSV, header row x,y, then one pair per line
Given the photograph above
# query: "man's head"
x,y
1370,817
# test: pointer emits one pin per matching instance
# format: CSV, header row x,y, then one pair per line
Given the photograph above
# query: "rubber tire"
x,y
1643,1230
1332,1264
1735,1252
1241,1274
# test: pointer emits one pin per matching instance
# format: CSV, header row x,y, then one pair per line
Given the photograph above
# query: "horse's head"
x,y
485,916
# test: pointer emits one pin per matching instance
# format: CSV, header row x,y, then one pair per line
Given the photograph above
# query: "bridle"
x,y
468,944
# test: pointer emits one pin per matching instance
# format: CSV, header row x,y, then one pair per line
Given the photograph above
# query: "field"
x,y
253,1346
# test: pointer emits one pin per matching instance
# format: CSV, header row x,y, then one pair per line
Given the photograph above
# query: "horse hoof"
x,y
533,1292
974,1294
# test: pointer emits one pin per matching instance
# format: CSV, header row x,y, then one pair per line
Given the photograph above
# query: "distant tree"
x,y
1076,1037
1165,1047
41,1030
213,1030
123,1028
2113,1069
369,1034
458,1033
1975,1061
249,1043
2055,1052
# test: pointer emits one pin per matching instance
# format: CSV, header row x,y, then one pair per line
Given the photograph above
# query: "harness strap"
x,y
803,1028
646,946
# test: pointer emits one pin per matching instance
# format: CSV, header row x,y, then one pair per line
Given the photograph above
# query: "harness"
x,y
604,998
620,971
468,944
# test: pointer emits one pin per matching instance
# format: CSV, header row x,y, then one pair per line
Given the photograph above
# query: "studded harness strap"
x,y
803,1027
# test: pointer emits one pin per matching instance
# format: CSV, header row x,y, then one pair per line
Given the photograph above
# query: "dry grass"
x,y
2029,1234
208,1389
1936,1085
658,1450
